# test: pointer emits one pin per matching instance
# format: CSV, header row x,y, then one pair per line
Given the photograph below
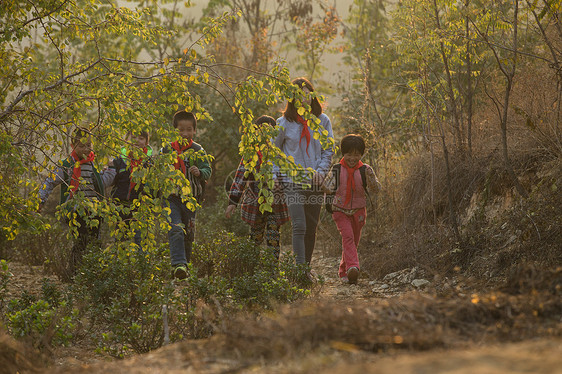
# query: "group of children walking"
x,y
349,182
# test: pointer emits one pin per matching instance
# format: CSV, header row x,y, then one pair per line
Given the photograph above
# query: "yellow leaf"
x,y
300,111
343,346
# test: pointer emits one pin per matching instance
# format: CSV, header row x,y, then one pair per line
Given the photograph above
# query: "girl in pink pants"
x,y
350,181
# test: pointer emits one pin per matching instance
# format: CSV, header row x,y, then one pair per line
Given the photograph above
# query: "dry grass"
x,y
499,229
528,306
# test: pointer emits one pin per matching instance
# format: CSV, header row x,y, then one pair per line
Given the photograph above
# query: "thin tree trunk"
x,y
509,73
556,63
450,91
469,92
452,211
509,77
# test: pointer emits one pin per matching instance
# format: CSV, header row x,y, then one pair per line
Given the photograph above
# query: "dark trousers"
x,y
86,235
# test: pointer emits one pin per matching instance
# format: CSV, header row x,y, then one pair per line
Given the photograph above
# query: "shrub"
x,y
245,274
126,291
43,323
4,280
45,320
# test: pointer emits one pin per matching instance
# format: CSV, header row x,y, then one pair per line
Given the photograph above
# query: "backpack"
x,y
336,170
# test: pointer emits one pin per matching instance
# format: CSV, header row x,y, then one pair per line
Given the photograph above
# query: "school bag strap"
x,y
336,170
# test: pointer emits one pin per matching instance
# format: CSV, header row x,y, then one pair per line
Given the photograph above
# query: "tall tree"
x,y
68,64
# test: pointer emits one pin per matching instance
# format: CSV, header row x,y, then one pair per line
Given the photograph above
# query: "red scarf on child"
x,y
350,180
260,158
305,133
180,164
77,171
134,163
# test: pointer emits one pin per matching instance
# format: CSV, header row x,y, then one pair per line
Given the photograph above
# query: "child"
x,y
124,189
261,224
78,175
350,180
193,162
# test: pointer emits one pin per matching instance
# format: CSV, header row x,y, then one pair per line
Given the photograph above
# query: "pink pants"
x,y
350,230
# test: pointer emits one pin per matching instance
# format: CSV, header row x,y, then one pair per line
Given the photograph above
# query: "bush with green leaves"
x,y
4,280
239,273
49,320
44,323
125,291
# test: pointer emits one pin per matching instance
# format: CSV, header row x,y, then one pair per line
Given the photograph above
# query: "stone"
x,y
420,283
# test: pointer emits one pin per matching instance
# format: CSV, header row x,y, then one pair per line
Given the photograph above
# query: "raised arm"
x,y
54,179
373,184
204,165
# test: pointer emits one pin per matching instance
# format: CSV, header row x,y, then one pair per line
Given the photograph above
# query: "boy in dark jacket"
x,y
194,165
124,189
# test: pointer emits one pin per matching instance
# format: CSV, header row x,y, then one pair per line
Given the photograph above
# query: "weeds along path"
x,y
359,329
380,325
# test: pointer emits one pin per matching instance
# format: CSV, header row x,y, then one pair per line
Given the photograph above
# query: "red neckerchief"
x,y
134,163
77,171
260,158
350,179
305,131
180,164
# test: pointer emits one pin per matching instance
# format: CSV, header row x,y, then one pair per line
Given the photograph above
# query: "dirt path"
x,y
332,288
219,355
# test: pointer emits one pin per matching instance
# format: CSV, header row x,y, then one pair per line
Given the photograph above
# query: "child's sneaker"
x,y
352,275
180,272
344,280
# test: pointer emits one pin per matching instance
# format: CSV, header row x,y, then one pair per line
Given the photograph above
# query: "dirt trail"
x,y
219,355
